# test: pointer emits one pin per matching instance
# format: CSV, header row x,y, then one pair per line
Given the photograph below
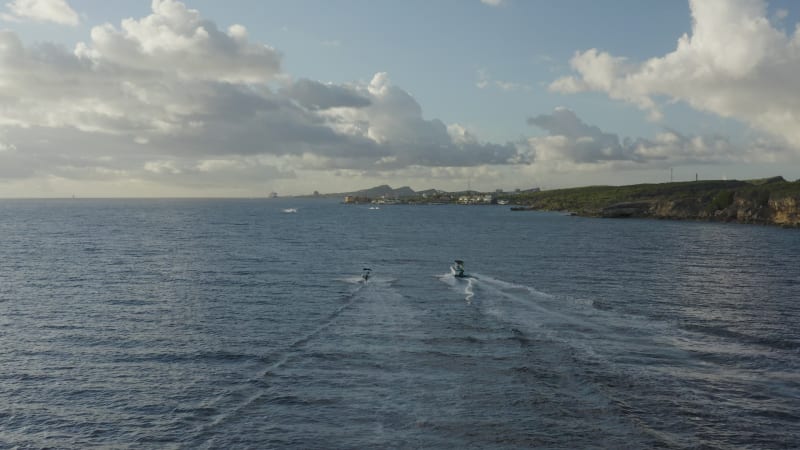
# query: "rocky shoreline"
x,y
773,201
768,201
783,212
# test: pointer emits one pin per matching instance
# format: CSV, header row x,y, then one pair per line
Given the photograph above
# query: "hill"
x,y
382,191
765,201
385,190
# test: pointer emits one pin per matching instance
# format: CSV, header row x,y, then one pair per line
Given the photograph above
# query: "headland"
x,y
767,201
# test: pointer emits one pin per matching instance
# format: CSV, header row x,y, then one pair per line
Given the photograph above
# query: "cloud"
x,y
570,140
485,81
178,40
734,63
316,95
492,2
173,99
56,11
394,122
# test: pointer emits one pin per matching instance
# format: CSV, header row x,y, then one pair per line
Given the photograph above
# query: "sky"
x,y
201,98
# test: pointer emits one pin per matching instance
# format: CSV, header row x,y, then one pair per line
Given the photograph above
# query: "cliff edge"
x,y
771,201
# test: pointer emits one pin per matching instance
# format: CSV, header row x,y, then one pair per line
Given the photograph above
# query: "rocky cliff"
x,y
781,211
772,201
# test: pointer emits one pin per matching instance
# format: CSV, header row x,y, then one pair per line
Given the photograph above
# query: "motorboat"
x,y
290,210
458,269
365,274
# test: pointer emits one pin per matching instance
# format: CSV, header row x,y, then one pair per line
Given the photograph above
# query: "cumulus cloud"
x,y
486,81
316,95
172,98
57,11
570,140
394,120
735,63
179,39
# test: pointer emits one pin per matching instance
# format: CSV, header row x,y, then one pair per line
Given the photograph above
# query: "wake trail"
x,y
257,383
520,295
576,324
468,284
611,357
470,293
487,283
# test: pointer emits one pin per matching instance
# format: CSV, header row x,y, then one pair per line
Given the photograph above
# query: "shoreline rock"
x,y
772,201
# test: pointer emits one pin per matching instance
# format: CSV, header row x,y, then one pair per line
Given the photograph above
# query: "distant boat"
x,y
502,202
273,195
458,269
290,210
374,207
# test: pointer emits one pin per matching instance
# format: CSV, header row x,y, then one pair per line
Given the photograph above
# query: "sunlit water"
x,y
243,324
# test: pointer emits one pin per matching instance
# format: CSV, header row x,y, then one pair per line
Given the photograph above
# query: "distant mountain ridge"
x,y
767,201
386,191
383,190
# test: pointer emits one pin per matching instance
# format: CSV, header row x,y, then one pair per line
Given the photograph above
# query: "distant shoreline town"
x,y
767,201
385,195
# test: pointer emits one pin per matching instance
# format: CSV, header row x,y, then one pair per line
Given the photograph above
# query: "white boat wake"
x,y
597,335
462,284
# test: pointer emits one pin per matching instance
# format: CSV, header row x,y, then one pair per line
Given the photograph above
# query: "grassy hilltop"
x,y
769,201
765,201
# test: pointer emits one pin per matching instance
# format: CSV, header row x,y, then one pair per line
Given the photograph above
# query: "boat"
x,y
458,269
290,210
502,202
365,274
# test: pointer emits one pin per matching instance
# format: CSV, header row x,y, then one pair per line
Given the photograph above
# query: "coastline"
x,y
770,201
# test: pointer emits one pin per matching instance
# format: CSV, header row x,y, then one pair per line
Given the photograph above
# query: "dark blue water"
x,y
232,324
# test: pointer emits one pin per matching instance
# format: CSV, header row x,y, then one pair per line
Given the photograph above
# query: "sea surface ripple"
x,y
245,324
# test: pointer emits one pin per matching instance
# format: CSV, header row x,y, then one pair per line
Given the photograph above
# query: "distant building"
x,y
477,199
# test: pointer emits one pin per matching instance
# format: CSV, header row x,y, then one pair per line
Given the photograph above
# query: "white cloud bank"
x,y
170,98
170,104
571,141
56,11
735,63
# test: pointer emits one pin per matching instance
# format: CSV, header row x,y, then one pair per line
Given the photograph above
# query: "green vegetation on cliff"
x,y
772,201
765,201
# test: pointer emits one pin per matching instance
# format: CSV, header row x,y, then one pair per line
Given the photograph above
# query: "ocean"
x,y
234,324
